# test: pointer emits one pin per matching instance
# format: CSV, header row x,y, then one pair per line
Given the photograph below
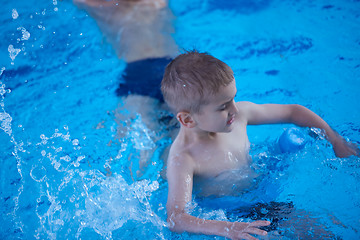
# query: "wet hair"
x,y
191,78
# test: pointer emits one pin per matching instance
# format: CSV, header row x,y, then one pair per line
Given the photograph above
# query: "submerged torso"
x,y
228,183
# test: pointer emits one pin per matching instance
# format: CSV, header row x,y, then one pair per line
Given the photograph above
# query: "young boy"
x,y
212,140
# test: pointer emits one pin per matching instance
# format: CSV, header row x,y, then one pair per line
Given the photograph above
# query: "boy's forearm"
x,y
304,117
187,223
234,230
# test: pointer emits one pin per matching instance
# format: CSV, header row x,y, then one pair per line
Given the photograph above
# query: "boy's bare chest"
x,y
228,152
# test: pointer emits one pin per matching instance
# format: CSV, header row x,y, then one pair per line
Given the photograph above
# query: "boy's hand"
x,y
241,230
343,149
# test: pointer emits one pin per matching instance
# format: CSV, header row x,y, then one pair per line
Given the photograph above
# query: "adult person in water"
x,y
140,33
210,155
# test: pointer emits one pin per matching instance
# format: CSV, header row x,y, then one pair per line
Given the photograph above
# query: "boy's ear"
x,y
186,119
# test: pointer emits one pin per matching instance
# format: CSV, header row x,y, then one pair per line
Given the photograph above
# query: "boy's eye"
x,y
223,107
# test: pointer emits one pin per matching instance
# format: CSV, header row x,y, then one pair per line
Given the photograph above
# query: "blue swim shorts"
x,y
143,77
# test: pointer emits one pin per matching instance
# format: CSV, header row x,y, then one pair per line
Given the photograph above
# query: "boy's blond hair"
x,y
190,78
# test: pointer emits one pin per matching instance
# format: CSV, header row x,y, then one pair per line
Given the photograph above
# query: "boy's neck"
x,y
197,135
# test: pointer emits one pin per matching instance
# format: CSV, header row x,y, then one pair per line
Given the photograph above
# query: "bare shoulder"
x,y
245,105
245,108
180,156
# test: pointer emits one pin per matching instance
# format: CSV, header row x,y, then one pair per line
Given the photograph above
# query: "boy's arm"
x,y
180,180
299,115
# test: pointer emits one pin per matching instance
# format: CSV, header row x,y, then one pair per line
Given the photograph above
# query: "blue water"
x,y
60,127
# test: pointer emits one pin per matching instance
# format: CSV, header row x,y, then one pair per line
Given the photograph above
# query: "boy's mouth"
x,y
231,120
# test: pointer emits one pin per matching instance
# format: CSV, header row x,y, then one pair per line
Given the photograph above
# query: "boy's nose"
x,y
233,108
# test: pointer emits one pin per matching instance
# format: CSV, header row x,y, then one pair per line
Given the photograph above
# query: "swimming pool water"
x,y
59,126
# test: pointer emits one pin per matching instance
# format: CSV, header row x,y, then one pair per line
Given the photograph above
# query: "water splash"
x,y
140,135
6,120
70,196
111,202
58,196
13,52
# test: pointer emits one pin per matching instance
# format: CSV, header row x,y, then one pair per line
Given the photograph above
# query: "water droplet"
x,y
6,119
75,142
13,52
14,14
25,33
38,173
65,158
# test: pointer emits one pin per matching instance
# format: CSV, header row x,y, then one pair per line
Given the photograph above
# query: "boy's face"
x,y
220,113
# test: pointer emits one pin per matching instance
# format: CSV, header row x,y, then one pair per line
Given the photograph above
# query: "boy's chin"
x,y
228,129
